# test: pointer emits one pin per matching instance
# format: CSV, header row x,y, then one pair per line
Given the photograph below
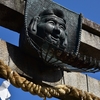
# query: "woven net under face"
x,y
70,59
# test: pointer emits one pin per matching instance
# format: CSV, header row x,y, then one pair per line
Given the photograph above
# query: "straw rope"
x,y
60,91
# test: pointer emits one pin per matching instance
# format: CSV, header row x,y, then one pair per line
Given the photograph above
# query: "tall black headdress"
x,y
49,53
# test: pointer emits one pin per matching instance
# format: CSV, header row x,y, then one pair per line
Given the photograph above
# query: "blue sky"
x,y
89,8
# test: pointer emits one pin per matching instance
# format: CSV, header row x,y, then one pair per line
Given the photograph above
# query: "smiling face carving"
x,y
50,25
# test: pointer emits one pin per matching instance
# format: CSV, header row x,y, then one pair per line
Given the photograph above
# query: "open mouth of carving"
x,y
54,40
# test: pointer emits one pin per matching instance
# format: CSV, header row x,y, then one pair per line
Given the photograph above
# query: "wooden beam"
x,y
14,58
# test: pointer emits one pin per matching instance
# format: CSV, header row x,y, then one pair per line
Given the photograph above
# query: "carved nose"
x,y
56,32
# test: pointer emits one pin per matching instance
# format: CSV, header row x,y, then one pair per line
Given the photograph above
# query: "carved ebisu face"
x,y
50,25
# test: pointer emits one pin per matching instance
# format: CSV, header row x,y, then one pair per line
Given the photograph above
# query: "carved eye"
x,y
61,27
51,22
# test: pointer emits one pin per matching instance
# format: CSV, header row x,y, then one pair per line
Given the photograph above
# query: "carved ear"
x,y
33,25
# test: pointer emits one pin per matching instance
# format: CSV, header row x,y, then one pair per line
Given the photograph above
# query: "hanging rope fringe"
x,y
60,91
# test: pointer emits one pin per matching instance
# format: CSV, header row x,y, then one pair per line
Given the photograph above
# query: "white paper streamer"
x,y
4,92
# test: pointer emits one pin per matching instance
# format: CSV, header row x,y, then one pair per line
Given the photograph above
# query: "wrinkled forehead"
x,y
53,17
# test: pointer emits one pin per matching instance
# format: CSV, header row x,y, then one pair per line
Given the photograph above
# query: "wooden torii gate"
x,y
12,17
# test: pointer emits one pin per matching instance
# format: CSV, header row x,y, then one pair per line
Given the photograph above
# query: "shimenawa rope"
x,y
60,91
